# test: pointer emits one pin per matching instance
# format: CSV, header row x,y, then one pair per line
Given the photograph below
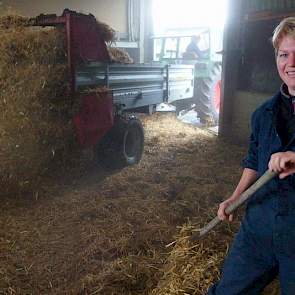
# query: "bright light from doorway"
x,y
169,14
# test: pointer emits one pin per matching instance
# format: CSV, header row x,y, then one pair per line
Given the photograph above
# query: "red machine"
x,y
84,44
104,120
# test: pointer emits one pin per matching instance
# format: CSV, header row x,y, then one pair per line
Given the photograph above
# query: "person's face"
x,y
286,62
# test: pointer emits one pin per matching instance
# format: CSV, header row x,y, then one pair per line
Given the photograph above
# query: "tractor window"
x,y
170,49
173,48
204,43
158,45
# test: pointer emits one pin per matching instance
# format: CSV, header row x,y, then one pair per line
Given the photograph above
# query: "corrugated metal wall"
x,y
269,5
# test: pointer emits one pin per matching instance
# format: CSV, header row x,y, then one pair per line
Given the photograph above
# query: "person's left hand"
x,y
283,163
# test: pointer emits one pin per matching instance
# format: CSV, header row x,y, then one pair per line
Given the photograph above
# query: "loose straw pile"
x,y
119,55
35,113
192,268
35,127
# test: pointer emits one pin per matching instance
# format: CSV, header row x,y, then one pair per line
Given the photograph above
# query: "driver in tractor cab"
x,y
193,51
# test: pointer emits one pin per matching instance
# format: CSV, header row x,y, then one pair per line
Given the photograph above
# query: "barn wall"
x,y
112,12
249,69
244,104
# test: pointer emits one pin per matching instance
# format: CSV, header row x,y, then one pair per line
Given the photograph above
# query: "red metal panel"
x,y
86,42
95,118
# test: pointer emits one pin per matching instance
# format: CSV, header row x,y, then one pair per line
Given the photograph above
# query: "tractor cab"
x,y
172,48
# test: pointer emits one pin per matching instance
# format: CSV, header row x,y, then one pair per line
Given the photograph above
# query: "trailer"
x,y
111,94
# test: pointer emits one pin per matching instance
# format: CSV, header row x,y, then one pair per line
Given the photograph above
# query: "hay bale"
x,y
119,55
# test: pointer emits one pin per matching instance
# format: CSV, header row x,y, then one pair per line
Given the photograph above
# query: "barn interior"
x,y
116,147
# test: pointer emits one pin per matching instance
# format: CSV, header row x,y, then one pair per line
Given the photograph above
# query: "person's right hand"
x,y
221,210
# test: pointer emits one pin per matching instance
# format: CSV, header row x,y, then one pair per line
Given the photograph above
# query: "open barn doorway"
x,y
191,32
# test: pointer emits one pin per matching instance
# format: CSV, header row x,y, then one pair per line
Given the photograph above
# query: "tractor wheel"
x,y
122,145
207,96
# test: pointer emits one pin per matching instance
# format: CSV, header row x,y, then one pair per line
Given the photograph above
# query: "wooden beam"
x,y
230,63
267,15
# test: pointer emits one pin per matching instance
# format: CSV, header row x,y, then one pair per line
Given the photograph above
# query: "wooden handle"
x,y
266,177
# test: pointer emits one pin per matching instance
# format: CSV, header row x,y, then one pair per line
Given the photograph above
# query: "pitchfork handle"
x,y
266,177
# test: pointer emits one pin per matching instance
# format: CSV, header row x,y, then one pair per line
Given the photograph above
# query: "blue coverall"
x,y
265,244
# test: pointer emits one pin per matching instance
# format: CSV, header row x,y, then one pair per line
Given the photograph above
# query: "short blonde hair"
x,y
285,28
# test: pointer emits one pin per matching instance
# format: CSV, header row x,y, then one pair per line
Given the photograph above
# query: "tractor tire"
x,y
122,145
207,96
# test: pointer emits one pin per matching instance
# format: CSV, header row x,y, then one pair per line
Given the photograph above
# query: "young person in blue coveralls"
x,y
264,247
